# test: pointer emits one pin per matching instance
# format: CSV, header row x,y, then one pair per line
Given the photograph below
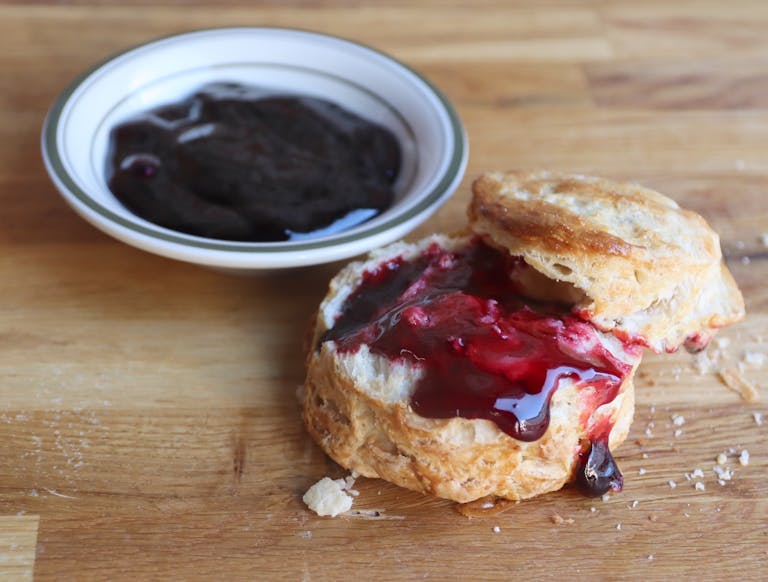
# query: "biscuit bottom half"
x,y
450,368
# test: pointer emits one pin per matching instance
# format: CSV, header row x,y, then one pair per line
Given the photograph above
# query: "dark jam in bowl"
x,y
485,351
232,162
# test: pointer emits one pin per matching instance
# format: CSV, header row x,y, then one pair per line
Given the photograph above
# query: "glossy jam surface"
x,y
233,163
596,471
485,352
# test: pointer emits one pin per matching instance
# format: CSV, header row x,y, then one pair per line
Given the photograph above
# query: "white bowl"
x,y
360,79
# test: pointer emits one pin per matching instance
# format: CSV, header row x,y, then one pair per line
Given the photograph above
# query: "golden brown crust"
x,y
647,267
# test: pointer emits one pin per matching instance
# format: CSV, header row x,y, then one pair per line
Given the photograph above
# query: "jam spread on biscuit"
x,y
233,162
485,351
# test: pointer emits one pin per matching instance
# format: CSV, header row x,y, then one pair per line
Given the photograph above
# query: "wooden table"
x,y
148,420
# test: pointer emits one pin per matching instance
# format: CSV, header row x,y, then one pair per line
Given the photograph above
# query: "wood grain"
x,y
148,412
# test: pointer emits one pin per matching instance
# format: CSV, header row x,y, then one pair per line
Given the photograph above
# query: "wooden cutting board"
x,y
148,420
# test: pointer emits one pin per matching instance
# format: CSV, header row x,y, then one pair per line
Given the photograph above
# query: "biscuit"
x,y
645,267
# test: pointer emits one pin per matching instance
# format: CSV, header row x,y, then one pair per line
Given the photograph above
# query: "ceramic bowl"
x,y
365,81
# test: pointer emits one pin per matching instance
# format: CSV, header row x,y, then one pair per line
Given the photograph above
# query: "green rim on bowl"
x,y
56,166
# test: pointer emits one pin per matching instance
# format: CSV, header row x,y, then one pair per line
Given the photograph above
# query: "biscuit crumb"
x,y
634,503
725,474
764,239
698,473
678,432
744,458
618,526
678,419
721,459
671,484
650,557
558,519
496,529
329,497
758,418
699,486
754,359
593,509
705,362
641,471
734,380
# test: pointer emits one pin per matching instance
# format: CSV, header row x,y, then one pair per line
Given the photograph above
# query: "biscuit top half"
x,y
636,262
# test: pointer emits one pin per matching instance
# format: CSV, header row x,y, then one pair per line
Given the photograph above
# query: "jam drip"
x,y
484,351
231,162
597,472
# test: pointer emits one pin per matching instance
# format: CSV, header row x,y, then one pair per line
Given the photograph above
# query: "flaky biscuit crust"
x,y
646,267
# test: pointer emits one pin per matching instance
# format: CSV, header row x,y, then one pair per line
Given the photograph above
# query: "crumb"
x,y
644,455
721,482
605,497
558,519
745,260
724,474
678,432
653,517
740,244
307,535
496,529
733,379
650,557
671,484
678,419
698,473
699,486
722,459
618,526
328,497
704,362
722,342
758,418
744,458
641,471
593,509
634,503
764,239
754,359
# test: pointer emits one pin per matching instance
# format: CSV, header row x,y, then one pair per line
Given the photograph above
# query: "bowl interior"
x,y
362,80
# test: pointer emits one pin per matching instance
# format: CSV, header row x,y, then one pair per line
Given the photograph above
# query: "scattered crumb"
x,y
754,359
699,486
644,455
307,535
650,557
758,418
705,362
593,509
605,497
764,239
722,459
328,497
733,379
618,526
744,458
678,419
722,342
698,473
634,503
721,482
641,471
671,484
724,474
678,432
745,260
558,519
496,529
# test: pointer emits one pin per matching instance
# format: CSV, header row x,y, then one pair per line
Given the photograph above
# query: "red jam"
x,y
233,163
485,351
